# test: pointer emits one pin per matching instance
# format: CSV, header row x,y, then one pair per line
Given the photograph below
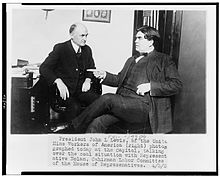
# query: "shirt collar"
x,y
138,58
75,47
143,55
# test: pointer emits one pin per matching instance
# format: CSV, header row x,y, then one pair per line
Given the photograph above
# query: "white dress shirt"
x,y
75,47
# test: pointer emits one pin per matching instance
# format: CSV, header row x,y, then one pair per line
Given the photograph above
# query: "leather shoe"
x,y
60,128
65,128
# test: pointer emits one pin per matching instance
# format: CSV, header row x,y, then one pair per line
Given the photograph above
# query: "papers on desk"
x,y
32,68
23,71
17,70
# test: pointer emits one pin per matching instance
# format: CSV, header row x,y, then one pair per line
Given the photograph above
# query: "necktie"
x,y
78,54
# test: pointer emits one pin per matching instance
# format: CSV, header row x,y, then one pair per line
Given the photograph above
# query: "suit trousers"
x,y
132,110
74,103
101,124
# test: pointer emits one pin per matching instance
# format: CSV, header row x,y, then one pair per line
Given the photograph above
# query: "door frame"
x,y
170,24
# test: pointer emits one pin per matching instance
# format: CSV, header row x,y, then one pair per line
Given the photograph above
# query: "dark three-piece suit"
x,y
154,107
64,63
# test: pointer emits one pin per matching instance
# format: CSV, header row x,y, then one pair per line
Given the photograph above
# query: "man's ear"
x,y
71,34
151,42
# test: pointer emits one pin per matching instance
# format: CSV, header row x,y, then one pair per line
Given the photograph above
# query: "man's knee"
x,y
107,98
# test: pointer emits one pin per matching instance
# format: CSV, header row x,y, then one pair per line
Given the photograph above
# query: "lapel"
x,y
153,66
70,47
152,57
72,53
125,70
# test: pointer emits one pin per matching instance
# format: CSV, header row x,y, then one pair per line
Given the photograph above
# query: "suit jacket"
x,y
62,63
164,81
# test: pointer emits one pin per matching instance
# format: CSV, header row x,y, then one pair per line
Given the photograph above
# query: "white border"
x,y
206,141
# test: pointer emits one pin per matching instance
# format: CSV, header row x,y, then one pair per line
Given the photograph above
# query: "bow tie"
x,y
143,54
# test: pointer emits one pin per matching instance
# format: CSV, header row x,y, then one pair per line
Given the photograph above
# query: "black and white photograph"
x,y
111,88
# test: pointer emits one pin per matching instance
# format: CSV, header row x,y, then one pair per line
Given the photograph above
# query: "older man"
x,y
66,67
145,85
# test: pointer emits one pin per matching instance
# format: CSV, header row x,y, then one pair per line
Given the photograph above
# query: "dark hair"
x,y
150,33
72,27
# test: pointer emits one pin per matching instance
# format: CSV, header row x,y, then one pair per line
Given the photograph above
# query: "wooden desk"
x,y
27,110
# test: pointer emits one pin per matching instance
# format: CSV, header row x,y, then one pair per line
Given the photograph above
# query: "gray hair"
x,y
72,27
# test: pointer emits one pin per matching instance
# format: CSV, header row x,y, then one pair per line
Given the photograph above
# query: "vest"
x,y
135,76
81,69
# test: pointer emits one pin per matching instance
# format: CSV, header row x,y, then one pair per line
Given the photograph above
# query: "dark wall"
x,y
189,112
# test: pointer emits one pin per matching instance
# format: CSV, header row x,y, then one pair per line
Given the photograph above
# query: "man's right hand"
x,y
100,74
64,92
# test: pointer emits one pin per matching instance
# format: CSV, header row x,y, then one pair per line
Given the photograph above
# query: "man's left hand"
x,y
86,85
143,88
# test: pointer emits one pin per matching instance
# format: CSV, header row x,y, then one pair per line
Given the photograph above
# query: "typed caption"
x,y
109,151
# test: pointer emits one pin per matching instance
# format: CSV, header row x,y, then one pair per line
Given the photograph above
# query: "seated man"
x,y
66,68
145,85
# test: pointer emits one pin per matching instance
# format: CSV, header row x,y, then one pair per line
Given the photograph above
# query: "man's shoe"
x,y
59,128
